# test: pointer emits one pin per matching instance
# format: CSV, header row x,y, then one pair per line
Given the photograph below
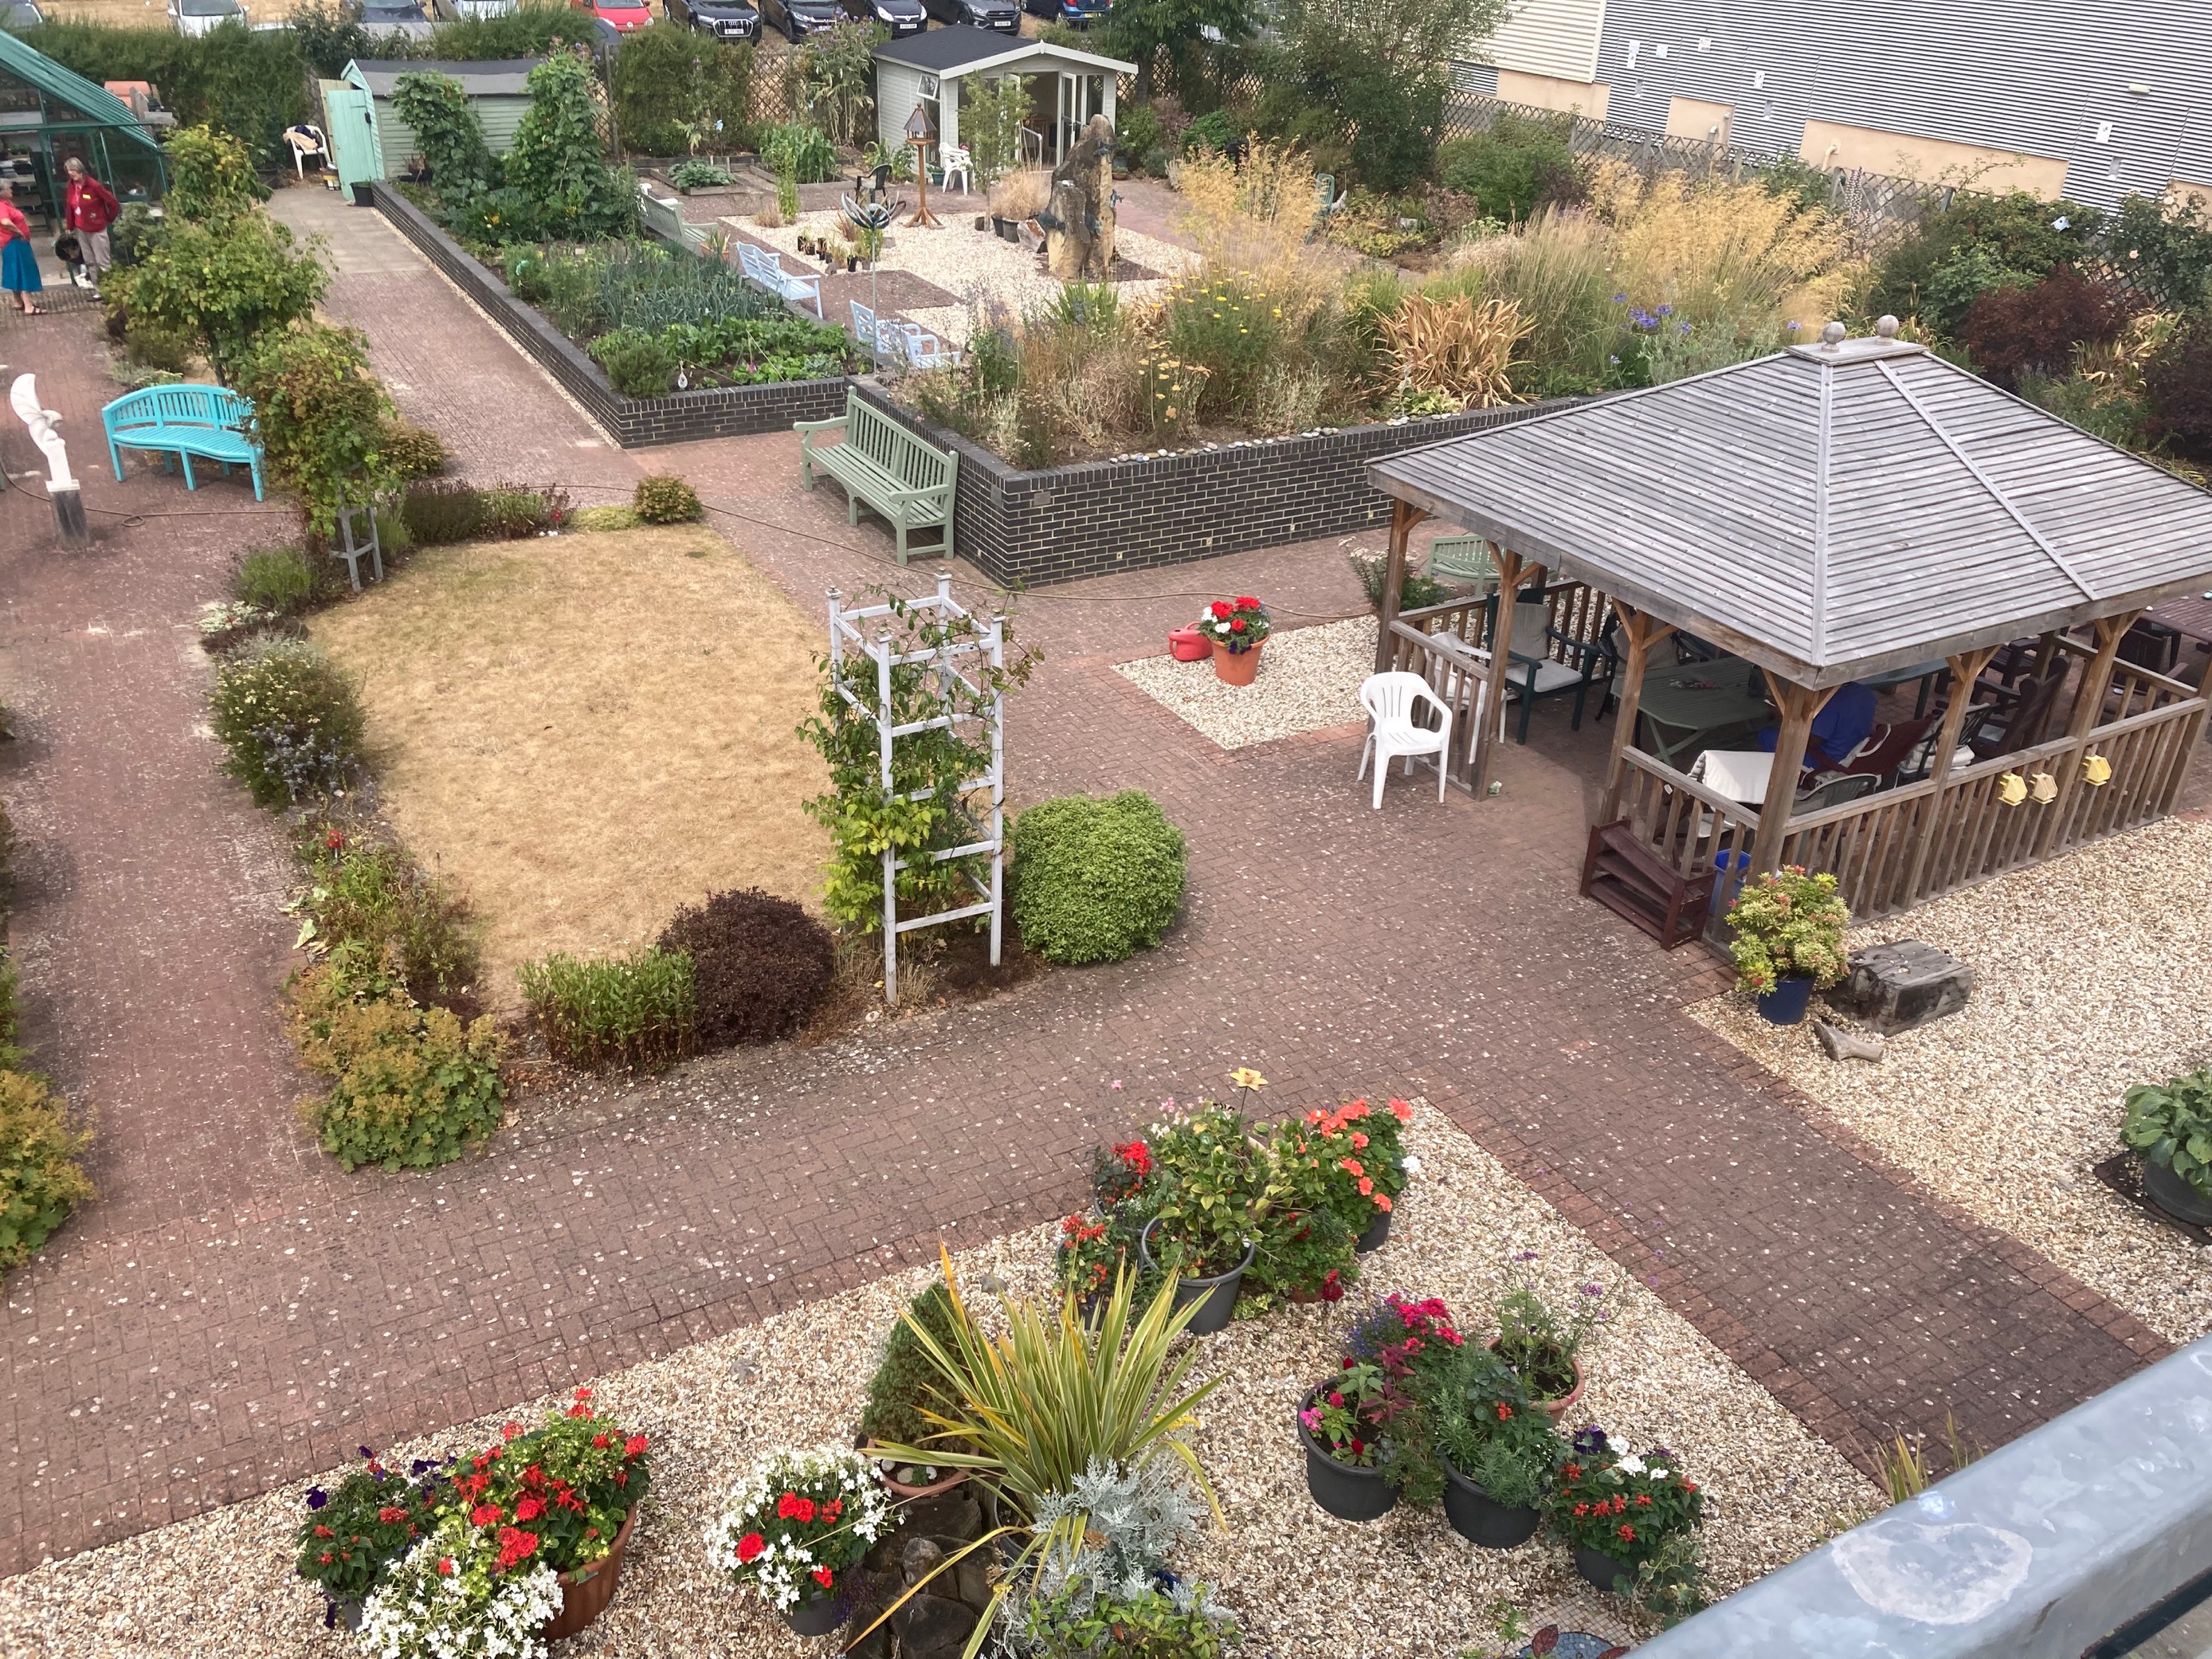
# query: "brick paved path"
x,y
236,1311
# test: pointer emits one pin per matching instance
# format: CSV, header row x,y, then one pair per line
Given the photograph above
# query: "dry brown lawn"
x,y
578,733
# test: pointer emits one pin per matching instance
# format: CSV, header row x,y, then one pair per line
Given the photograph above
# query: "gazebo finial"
x,y
1885,326
1833,335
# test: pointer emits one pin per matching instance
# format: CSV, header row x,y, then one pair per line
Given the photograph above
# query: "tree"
x,y
210,176
223,282
676,92
837,77
1385,68
448,136
991,125
321,418
1140,30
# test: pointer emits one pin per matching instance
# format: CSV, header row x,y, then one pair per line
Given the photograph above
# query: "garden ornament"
x,y
2043,789
1079,222
921,133
60,483
2096,771
2011,789
1848,1045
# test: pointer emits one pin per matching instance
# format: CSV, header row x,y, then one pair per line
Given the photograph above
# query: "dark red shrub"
x,y
2012,330
2179,381
760,965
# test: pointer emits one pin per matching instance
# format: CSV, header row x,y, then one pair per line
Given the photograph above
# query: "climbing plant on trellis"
x,y
912,723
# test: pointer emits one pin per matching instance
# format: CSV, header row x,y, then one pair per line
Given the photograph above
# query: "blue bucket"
x,y
1786,1003
1730,883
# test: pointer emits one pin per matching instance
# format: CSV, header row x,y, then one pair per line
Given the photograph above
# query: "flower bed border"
x,y
1099,517
632,423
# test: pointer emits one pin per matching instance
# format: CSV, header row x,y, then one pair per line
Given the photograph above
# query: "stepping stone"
x,y
1896,987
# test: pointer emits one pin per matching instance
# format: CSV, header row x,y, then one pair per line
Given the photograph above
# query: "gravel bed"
x,y
1310,678
984,271
221,1584
2091,978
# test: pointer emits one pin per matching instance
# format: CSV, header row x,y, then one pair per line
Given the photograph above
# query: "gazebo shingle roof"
x,y
1828,511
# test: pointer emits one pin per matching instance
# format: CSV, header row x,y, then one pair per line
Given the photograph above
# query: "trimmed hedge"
x,y
1095,878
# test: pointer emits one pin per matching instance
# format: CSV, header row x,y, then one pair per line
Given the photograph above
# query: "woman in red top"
x,y
19,266
88,207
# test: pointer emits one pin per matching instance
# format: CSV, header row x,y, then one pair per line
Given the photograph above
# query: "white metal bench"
x,y
882,464
761,265
914,345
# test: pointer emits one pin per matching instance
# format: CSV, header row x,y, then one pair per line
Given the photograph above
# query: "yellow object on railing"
x,y
2011,789
2043,788
2096,769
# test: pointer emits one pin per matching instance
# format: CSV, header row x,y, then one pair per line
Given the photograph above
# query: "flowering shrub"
x,y
372,1518
800,1521
1788,923
1119,1173
1624,1507
1236,625
1355,1158
1218,1189
1350,1415
457,1594
558,1493
1089,1250
290,720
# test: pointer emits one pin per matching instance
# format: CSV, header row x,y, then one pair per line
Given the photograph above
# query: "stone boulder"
x,y
1896,988
1078,220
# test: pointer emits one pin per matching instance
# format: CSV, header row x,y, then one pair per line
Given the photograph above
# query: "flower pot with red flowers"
x,y
1341,1426
1542,1343
901,1393
1235,629
794,1531
1500,1453
1631,1522
355,1529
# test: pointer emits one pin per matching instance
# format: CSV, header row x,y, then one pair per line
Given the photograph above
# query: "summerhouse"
x,y
368,141
1746,545
934,72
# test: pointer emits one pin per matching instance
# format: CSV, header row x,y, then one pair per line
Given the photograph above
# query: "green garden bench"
x,y
882,464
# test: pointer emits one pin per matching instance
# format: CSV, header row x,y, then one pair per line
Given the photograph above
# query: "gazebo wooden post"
x,y
1512,570
1965,669
1798,704
1404,515
1643,634
2088,704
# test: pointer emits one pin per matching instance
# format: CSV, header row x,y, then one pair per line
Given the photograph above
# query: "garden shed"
x,y
48,114
1850,511
358,105
933,69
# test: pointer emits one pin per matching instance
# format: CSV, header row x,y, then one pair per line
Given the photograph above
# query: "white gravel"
x,y
981,271
1306,1586
2091,978
1310,678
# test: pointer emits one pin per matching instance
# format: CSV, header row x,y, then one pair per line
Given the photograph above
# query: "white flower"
x,y
1658,1475
1413,1166
1631,1465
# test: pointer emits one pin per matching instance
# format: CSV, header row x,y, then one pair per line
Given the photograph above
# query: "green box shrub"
x,y
760,965
41,1179
905,1380
638,364
290,720
1095,878
665,498
413,452
637,1011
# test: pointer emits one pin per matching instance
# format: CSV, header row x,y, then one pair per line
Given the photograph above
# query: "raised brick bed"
x,y
633,422
1104,516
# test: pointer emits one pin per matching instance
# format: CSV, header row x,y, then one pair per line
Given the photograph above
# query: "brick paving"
x,y
235,1311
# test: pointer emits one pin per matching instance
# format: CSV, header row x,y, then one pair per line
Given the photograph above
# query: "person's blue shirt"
x,y
1844,722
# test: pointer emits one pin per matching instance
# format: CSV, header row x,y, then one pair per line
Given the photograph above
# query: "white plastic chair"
x,y
959,164
1390,701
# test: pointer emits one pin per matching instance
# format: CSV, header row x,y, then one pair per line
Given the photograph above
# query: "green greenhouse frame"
x,y
49,114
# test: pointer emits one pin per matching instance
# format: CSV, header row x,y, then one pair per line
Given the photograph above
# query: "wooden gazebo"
x,y
1829,512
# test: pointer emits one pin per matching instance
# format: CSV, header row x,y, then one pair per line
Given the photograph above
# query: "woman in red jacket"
x,y
88,207
19,266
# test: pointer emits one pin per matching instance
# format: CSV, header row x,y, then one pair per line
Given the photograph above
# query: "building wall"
x,y
1702,119
1839,145
1552,39
898,88
500,115
2103,90
1552,92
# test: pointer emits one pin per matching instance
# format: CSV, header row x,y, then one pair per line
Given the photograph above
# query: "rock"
x,y
1896,988
877,1644
1079,222
1848,1045
953,1514
919,1559
971,1582
932,1627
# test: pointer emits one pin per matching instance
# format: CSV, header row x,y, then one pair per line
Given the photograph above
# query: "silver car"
x,y
201,16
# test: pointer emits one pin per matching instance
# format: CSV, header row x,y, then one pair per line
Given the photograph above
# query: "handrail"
x,y
1701,792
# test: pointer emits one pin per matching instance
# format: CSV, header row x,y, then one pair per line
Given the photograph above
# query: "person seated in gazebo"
x,y
1840,729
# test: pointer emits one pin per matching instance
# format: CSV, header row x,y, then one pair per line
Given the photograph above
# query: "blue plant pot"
x,y
1786,1003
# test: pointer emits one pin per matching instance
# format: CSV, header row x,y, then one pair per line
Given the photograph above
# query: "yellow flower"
x,y
1245,1078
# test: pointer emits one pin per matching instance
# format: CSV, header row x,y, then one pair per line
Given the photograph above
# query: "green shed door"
x,y
354,147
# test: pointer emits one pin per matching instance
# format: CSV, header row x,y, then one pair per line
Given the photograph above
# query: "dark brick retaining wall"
x,y
633,422
1091,519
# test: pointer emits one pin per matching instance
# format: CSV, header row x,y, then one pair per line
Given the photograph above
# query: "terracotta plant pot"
x,y
899,1488
1377,1234
586,1592
1479,1518
1238,668
1348,1492
1557,1409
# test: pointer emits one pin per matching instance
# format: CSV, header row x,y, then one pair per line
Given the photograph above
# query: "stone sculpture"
x,y
61,488
1078,223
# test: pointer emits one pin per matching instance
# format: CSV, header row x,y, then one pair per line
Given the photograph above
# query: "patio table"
x,y
1697,699
1925,672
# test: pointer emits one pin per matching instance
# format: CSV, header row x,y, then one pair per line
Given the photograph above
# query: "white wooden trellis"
x,y
846,629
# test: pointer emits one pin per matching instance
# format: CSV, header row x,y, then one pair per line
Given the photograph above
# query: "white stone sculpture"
x,y
23,398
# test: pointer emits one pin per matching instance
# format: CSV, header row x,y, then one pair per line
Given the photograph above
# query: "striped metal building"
x,y
2094,99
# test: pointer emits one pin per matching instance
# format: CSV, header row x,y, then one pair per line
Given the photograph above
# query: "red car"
x,y
622,17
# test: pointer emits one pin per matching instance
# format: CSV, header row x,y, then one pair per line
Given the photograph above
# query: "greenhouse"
x,y
49,114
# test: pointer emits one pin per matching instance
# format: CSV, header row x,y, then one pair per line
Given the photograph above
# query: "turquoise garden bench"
x,y
882,462
207,421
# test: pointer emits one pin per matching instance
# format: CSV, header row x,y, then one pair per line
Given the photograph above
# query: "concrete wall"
x,y
1903,155
1550,92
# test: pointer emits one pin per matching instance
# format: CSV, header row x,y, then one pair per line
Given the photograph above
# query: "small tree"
x,y
1140,30
991,125
676,92
222,283
322,419
559,159
210,176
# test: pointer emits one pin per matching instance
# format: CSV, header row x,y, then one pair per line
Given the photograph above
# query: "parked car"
x,y
1081,13
17,15
622,17
467,8
899,16
726,20
800,18
202,16
1003,15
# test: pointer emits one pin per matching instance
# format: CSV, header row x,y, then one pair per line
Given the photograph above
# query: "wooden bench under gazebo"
x,y
1853,511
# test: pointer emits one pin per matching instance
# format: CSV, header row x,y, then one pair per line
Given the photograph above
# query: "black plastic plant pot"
x,y
1480,1519
1217,1296
2174,1195
1377,1234
1346,1491
818,1616
1601,1568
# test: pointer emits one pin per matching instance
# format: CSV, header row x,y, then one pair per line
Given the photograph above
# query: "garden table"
x,y
1697,699
1925,672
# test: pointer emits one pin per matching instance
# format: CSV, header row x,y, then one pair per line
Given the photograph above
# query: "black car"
x,y
726,20
1004,15
800,18
901,17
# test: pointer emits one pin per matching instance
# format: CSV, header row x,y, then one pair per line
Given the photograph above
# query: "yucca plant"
x,y
1055,1397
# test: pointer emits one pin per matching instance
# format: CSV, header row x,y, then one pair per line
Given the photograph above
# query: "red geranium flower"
x,y
324,1532
750,1547
833,1508
486,1514
508,1430
1627,1531
515,1545
634,1447
1247,603
446,1567
1402,1111
324,1558
1219,607
600,1442
530,1508
390,1513
823,1576
792,1507
1238,626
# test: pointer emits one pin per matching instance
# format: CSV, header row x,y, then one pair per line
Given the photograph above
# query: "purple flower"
x,y
364,1451
1666,311
1524,1255
1592,1290
419,1465
317,1497
1589,1441
1792,327
1620,299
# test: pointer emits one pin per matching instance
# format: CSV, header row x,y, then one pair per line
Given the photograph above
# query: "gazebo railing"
x,y
1904,846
